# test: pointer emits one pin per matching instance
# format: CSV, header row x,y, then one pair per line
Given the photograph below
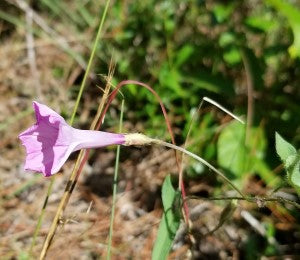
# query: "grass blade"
x,y
89,66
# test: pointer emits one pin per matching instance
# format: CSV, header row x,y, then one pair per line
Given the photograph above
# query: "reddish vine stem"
x,y
112,96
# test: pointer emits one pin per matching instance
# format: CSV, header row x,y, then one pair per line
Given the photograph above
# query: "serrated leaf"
x,y
170,221
283,148
292,166
291,160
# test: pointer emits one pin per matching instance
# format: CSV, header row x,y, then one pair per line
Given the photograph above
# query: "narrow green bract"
x,y
170,221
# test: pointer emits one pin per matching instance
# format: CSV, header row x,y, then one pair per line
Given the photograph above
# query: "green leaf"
x,y
227,38
171,78
231,148
292,165
232,56
170,221
291,160
238,159
293,15
263,23
183,55
213,83
283,148
223,11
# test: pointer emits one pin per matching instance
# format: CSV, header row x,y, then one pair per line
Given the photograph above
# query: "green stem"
x,y
115,186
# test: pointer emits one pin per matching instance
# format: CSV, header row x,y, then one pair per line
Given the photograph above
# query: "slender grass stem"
x,y
115,186
198,158
209,100
180,179
190,128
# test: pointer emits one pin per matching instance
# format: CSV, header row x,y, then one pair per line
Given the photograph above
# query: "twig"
x,y
256,200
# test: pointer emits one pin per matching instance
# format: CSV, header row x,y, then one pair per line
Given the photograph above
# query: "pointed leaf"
x,y
169,223
290,158
283,148
292,166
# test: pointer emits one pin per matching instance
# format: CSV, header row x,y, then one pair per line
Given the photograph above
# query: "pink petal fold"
x,y
50,141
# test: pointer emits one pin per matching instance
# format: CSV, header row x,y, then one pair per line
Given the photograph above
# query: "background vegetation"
x,y
242,54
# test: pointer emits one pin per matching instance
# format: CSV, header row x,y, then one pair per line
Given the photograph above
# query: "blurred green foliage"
x,y
190,49
187,50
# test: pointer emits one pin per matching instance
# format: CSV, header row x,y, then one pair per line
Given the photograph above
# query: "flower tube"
x,y
50,141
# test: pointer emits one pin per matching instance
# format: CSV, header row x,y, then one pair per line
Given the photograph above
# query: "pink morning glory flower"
x,y
50,141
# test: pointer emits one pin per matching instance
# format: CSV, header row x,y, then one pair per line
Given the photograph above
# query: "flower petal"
x,y
51,140
43,112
